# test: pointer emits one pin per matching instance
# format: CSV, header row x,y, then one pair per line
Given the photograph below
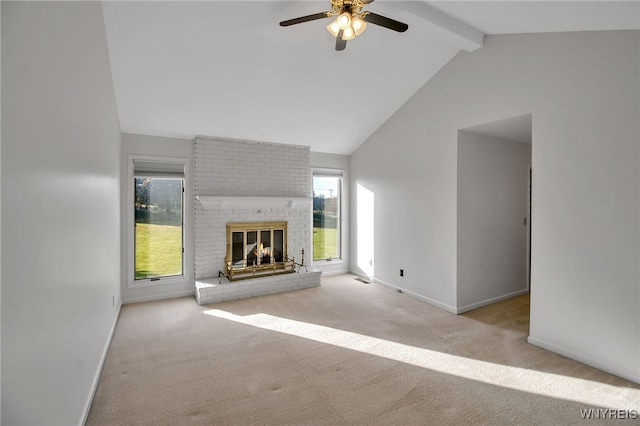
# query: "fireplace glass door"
x,y
254,245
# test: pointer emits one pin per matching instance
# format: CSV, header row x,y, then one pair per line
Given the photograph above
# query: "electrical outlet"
x,y
402,272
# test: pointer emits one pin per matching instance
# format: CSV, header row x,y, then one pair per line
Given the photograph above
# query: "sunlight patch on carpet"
x,y
521,379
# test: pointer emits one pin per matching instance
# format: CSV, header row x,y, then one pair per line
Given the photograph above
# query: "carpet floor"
x,y
345,353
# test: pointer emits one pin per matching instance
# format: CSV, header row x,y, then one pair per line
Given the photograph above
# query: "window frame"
x,y
132,282
340,174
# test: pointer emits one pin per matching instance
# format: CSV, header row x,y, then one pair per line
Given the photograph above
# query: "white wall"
x,y
493,185
160,147
583,92
60,209
321,160
412,179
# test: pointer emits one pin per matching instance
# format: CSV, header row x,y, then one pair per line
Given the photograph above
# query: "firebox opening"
x,y
256,249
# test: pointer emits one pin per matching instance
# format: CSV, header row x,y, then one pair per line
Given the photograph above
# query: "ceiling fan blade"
x,y
340,43
367,1
383,21
302,19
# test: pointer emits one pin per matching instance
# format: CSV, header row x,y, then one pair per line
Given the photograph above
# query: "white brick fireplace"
x,y
243,181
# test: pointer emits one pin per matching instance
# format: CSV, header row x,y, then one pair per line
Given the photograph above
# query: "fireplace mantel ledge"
x,y
249,202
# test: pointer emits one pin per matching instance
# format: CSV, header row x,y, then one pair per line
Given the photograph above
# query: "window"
x,y
327,221
158,235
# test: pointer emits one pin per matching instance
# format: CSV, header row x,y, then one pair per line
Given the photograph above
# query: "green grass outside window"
x,y
325,243
158,250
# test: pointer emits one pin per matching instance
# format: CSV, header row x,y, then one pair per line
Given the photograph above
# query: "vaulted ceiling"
x,y
227,69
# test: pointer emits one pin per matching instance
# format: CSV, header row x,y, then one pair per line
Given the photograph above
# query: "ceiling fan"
x,y
350,20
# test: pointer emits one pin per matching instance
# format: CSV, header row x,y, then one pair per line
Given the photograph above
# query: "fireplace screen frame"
x,y
244,241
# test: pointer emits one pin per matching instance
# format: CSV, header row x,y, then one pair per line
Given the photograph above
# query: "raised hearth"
x,y
214,290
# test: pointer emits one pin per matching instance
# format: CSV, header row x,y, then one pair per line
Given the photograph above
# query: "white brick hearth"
x,y
214,290
243,181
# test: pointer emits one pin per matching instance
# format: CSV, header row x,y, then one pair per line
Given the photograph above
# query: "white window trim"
x,y
186,224
320,171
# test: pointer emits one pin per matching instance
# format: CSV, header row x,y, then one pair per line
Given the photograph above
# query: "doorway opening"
x,y
494,205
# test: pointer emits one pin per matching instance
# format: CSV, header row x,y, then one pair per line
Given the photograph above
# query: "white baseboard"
x,y
336,272
96,378
183,293
444,306
486,302
635,378
416,296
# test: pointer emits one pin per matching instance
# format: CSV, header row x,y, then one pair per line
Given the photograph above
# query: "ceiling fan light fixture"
x,y
348,34
348,21
334,28
358,25
344,20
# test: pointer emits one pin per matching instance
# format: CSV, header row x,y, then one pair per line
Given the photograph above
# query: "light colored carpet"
x,y
344,353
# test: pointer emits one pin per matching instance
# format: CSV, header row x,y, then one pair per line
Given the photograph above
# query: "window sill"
x,y
327,262
180,279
